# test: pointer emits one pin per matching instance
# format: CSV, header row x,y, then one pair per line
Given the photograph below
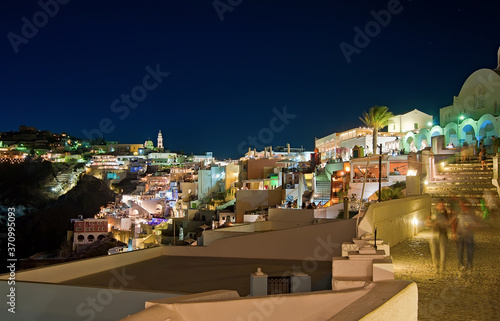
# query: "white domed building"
x,y
474,114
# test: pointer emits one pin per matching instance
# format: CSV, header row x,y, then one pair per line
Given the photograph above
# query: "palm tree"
x,y
376,118
391,193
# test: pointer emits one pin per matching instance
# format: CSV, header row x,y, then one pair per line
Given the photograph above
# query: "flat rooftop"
x,y
184,275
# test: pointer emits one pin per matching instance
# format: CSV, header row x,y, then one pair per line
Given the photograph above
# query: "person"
x,y
496,144
463,225
491,203
464,152
396,172
482,157
439,223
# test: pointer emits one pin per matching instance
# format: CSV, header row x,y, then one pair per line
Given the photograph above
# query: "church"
x,y
473,116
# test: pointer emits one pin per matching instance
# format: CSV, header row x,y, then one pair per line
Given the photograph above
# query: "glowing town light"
x,y
411,172
442,164
426,182
414,222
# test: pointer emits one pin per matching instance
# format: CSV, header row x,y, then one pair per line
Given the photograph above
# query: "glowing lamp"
x,y
412,172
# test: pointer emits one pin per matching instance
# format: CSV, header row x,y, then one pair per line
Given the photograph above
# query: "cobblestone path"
x,y
453,294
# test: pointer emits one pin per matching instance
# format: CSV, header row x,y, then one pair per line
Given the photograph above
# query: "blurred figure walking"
x,y
463,225
438,222
482,157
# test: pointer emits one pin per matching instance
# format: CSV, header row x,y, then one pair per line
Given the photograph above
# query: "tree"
x,y
389,193
376,118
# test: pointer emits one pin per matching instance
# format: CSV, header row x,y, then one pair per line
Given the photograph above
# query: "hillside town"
x,y
276,202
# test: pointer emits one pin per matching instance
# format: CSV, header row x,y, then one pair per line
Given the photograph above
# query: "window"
x,y
415,125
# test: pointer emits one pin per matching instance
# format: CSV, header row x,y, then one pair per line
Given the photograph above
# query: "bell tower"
x,y
160,140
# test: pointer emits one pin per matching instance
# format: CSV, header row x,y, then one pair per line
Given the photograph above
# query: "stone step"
x,y
469,163
462,177
479,171
457,195
476,193
459,190
465,185
470,182
485,170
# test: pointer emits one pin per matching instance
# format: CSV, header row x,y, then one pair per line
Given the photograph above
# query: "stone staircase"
x,y
323,190
462,180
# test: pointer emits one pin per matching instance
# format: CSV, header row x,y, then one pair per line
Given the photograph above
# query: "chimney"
x,y
288,148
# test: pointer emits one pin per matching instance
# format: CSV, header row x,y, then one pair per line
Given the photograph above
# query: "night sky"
x,y
225,77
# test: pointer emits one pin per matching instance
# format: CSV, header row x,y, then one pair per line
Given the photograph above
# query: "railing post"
x,y
258,283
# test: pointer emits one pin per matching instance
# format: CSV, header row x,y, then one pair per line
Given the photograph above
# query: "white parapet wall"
x,y
71,270
396,220
319,242
42,301
386,300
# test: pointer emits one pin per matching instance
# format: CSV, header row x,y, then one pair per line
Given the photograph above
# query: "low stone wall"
x,y
304,306
319,242
291,215
40,301
388,300
79,268
396,220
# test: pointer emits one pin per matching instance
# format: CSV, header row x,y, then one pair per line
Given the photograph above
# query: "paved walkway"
x,y
453,295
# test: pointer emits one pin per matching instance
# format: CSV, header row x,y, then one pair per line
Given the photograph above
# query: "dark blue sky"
x,y
226,77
